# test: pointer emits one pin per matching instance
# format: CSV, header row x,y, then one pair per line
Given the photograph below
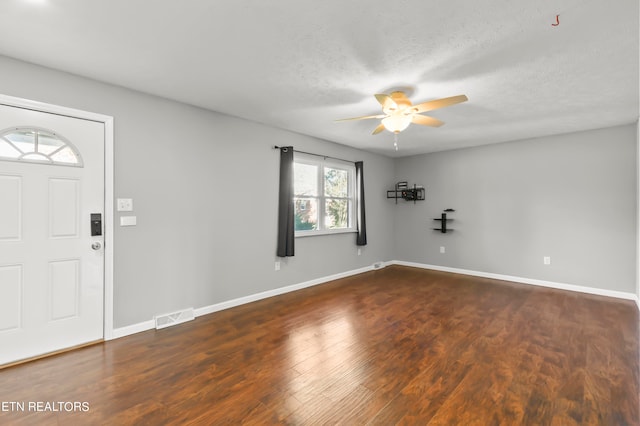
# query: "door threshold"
x,y
50,354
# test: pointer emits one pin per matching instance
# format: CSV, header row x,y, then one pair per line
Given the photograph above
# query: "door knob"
x,y
96,246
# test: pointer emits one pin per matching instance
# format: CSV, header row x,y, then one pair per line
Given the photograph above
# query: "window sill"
x,y
300,234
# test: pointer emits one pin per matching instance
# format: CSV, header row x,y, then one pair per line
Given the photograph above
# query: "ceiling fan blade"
x,y
366,117
400,98
426,121
439,103
388,104
378,129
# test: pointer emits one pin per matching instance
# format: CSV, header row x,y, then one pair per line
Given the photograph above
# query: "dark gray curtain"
x,y
361,238
286,231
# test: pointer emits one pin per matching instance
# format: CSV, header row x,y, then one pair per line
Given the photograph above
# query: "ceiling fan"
x,y
399,112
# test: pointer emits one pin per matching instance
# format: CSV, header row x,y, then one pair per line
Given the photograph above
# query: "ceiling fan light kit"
x,y
396,123
399,112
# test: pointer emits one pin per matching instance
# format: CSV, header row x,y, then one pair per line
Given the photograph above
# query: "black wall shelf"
x,y
443,222
403,191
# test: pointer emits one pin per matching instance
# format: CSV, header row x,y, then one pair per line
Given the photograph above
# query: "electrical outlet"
x,y
277,267
442,249
547,260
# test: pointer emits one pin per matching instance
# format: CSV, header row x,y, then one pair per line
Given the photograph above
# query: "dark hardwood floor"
x,y
394,346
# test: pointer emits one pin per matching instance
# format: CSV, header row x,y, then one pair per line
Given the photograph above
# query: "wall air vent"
x,y
174,318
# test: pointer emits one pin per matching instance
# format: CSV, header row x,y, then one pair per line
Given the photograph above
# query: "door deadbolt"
x,y
96,224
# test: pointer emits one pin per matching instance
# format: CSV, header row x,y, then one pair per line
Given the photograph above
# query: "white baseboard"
x,y
150,325
276,292
132,329
541,283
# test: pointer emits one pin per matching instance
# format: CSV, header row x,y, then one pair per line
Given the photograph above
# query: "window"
x,y
37,145
324,199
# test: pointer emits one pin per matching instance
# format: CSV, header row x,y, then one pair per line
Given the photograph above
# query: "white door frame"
x,y
638,213
108,189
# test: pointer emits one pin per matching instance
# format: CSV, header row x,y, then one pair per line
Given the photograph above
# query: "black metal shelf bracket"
x,y
443,222
402,191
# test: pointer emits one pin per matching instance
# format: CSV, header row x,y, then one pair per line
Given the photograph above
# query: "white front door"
x,y
51,267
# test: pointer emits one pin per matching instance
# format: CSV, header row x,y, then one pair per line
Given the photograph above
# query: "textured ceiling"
x,y
301,64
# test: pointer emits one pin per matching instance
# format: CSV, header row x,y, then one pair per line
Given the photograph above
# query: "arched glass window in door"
x,y
37,145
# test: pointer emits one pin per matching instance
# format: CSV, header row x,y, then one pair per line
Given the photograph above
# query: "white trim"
x,y
52,109
320,163
276,292
304,234
638,213
150,325
108,189
541,283
133,329
109,245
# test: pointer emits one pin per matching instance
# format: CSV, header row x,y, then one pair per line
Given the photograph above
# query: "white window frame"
x,y
321,163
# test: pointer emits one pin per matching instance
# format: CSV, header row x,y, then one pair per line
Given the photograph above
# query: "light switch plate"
x,y
128,221
124,204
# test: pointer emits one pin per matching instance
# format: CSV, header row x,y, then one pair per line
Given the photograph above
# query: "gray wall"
x,y
571,197
204,187
205,193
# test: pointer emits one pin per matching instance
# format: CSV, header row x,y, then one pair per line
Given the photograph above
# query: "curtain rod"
x,y
317,155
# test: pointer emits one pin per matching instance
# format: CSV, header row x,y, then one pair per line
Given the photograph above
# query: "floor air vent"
x,y
174,318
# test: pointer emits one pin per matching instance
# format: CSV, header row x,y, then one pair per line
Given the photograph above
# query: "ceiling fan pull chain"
x,y
395,140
